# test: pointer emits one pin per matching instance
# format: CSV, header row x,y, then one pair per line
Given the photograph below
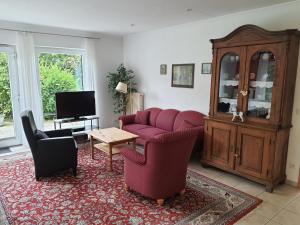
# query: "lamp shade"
x,y
122,87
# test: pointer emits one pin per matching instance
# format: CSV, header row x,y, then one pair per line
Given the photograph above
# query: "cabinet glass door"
x,y
262,74
229,83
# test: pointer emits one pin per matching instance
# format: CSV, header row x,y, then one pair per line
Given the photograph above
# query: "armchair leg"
x,y
182,192
160,201
126,187
74,170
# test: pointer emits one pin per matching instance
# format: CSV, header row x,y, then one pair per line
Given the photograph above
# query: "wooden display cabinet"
x,y
254,75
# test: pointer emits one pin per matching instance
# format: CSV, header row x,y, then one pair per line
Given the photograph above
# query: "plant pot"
x,y
1,119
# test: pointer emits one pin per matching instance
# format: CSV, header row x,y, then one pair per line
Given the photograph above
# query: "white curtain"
x,y
91,77
30,96
90,65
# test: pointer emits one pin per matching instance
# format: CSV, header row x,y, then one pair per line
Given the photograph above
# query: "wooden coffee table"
x,y
112,140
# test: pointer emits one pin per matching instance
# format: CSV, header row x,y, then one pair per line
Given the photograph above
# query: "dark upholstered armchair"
x,y
161,171
53,151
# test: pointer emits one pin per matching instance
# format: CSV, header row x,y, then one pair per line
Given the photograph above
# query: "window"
x,y
60,70
9,98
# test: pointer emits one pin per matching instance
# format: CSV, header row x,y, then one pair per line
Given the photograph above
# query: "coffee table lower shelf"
x,y
115,149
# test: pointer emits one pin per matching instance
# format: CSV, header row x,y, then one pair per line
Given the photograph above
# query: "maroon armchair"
x,y
161,171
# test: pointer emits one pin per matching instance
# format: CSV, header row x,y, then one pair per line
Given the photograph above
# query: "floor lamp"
x,y
123,88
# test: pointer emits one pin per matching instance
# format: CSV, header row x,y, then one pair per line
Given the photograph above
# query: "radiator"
x,y
135,103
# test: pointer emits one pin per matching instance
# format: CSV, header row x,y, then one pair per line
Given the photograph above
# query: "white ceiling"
x,y
116,16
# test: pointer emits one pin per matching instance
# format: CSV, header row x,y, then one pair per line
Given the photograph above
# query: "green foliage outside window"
x,y
58,73
5,101
54,79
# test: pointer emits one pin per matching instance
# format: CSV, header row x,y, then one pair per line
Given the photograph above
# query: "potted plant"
x,y
125,76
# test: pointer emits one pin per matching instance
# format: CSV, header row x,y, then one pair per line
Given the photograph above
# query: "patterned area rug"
x,y
98,197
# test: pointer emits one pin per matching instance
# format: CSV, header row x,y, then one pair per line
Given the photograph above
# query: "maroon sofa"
x,y
161,171
162,122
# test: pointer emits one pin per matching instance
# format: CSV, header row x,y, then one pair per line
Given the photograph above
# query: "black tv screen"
x,y
75,104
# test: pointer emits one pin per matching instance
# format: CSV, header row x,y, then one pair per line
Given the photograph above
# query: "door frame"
x,y
15,96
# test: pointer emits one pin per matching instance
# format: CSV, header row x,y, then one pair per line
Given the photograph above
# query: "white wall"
x,y
109,53
189,43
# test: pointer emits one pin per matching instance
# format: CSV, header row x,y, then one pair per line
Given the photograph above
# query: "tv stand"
x,y
77,130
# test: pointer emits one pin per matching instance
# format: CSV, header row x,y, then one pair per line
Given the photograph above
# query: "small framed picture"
x,y
183,75
163,69
206,68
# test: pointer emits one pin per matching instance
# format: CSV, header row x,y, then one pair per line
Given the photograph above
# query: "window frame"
x,y
15,96
59,50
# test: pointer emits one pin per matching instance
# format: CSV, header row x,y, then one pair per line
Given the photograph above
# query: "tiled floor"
x,y
282,207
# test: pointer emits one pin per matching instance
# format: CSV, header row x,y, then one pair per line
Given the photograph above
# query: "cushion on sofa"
x,y
150,132
193,117
185,125
165,119
153,116
142,117
133,128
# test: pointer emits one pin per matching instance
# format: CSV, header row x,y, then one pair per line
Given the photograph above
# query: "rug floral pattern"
x,y
96,196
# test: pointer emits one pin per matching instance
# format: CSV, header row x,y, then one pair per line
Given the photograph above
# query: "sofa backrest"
x,y
171,119
153,115
194,117
165,119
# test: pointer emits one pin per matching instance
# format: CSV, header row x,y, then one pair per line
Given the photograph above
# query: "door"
x,y
253,151
229,79
10,129
263,83
219,143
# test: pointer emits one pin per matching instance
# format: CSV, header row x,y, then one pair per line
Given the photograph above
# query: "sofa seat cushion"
x,y
134,128
150,132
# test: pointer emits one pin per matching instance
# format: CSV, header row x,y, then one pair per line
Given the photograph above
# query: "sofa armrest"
x,y
59,133
125,120
133,155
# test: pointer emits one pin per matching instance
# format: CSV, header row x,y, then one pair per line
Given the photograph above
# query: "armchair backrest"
x,y
29,128
171,151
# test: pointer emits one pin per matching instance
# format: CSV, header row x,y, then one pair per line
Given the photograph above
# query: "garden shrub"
x,y
54,79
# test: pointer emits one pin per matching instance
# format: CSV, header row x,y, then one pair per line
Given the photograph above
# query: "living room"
x,y
155,40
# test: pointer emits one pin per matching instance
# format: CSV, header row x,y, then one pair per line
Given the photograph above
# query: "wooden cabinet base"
x,y
269,186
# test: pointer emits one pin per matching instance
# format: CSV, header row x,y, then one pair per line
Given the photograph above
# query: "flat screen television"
x,y
75,104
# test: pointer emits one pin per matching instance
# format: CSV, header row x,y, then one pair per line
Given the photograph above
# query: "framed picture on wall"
x,y
206,68
163,69
183,75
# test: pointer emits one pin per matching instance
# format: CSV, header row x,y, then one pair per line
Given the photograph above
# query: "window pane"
x,y
58,73
229,81
262,74
6,113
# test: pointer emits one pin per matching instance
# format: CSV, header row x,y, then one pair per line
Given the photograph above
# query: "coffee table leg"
x,y
92,146
134,144
110,158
